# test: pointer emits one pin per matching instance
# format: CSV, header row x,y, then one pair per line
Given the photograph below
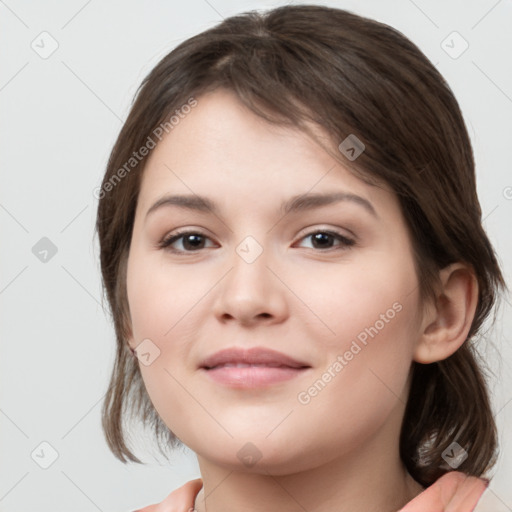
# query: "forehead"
x,y
223,129
221,148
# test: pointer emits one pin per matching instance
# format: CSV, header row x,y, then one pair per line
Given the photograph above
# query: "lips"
x,y
252,369
235,357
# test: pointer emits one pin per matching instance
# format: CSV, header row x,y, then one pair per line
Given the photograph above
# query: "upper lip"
x,y
255,355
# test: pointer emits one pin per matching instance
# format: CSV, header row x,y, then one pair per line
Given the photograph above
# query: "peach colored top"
x,y
453,492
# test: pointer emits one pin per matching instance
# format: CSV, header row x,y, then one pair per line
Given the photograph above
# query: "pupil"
x,y
190,238
319,237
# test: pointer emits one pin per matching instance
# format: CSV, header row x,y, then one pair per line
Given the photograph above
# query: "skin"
x,y
340,451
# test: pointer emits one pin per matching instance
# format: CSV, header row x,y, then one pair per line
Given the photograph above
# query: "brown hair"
x,y
302,64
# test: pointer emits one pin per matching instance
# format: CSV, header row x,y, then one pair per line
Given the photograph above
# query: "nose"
x,y
251,293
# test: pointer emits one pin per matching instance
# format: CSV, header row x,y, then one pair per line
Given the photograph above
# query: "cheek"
x,y
363,383
160,307
365,338
367,298
163,310
160,300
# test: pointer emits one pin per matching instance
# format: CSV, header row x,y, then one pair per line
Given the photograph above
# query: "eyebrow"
x,y
298,203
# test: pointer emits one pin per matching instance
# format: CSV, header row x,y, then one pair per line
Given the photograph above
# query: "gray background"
x,y
60,116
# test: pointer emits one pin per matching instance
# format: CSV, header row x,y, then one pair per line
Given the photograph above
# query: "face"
x,y
330,285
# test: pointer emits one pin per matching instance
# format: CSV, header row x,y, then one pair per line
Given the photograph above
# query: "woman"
x,y
335,375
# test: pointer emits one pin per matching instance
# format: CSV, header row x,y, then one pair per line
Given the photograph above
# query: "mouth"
x,y
252,376
255,367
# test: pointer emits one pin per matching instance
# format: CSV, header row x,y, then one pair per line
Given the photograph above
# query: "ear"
x,y
446,325
125,314
127,328
130,341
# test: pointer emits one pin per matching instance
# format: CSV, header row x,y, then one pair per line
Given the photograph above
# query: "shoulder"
x,y
454,491
180,500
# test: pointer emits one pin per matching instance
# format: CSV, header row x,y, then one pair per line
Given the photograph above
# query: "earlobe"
x,y
446,326
128,336
126,322
130,343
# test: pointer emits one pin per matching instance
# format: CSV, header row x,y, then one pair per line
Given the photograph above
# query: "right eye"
x,y
193,241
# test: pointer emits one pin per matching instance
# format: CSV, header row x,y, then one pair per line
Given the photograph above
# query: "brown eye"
x,y
190,240
193,241
323,239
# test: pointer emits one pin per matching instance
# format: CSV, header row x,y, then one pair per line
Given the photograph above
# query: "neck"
x,y
367,478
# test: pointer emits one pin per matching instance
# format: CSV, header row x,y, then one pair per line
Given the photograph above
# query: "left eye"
x,y
195,240
323,239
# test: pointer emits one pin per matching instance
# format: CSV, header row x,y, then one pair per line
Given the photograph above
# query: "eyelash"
x,y
166,242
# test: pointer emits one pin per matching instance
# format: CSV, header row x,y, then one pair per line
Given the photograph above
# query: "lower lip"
x,y
252,376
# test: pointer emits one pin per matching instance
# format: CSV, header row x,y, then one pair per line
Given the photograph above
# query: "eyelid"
x,y
349,235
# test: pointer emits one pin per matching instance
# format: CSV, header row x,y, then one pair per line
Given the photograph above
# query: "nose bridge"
x,y
250,250
250,273
250,289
